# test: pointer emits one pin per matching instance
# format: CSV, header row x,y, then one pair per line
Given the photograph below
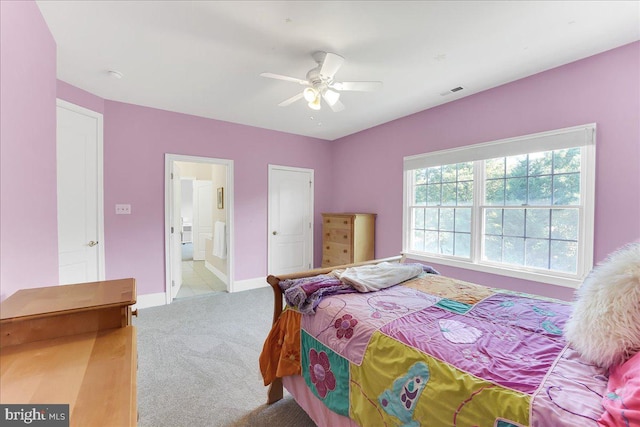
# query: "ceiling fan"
x,y
320,83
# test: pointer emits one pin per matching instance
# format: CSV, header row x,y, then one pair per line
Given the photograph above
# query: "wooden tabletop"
x,y
38,302
95,373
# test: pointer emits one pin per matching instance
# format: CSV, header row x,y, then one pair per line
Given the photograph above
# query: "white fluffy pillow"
x,y
605,324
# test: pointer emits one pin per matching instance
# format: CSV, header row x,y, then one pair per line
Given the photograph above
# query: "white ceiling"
x,y
204,57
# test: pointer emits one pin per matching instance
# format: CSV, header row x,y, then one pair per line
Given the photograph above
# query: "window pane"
x,y
446,243
493,248
538,223
418,240
494,192
463,220
431,219
515,191
418,219
540,163
449,173
566,189
566,160
465,193
494,168
564,224
433,194
463,245
514,222
516,166
540,190
449,194
465,171
431,241
493,221
564,256
514,250
537,253
446,219
434,174
517,227
420,195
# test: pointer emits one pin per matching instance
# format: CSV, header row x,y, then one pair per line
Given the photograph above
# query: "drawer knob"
x,y
328,234
345,236
345,251
346,222
328,247
328,221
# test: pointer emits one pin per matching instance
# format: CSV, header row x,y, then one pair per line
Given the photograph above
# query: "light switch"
x,y
123,209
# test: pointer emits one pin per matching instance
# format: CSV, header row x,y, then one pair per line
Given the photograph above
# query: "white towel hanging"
x,y
220,240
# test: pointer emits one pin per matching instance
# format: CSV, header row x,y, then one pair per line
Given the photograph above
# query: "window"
x,y
521,207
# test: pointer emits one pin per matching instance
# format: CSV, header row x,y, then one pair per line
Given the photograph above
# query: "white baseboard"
x,y
248,284
219,274
150,300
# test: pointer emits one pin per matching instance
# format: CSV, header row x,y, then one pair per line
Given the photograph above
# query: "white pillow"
x,y
605,324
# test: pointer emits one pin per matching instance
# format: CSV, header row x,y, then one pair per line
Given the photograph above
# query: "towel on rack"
x,y
220,240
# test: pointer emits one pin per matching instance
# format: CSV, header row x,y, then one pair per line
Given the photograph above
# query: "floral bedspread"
x,y
436,351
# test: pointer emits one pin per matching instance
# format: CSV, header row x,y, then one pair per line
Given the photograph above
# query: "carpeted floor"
x,y
198,364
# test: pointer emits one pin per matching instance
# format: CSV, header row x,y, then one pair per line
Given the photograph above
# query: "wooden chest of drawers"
x,y
347,238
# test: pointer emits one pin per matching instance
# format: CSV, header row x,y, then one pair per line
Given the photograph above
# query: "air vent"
x,y
450,91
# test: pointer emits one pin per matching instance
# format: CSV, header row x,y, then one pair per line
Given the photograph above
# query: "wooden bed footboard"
x,y
275,392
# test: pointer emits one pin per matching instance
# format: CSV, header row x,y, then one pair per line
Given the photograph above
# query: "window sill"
x,y
568,282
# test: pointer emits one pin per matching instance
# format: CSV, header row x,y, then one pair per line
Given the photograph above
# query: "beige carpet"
x,y
198,364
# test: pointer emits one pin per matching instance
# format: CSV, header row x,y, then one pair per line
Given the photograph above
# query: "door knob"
x,y
92,243
274,232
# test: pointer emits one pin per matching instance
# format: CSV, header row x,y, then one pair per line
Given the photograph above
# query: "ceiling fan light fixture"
x,y
331,97
310,94
315,104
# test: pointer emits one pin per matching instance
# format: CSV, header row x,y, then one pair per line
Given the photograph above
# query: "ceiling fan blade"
x,y
357,86
286,78
337,106
330,65
290,100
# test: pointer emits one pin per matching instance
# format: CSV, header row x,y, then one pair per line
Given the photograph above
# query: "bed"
x,y
433,351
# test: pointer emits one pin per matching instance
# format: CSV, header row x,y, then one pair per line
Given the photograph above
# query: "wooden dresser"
x,y
347,238
72,344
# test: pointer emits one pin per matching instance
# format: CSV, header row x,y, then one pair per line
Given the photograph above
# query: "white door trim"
x,y
311,210
168,162
100,178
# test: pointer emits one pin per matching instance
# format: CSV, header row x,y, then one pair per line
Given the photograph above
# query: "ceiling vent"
x,y
450,91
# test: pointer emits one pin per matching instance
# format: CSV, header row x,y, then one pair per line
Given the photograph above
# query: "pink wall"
x,y
79,97
28,206
136,140
604,89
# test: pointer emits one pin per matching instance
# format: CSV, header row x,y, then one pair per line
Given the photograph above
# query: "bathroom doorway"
x,y
199,229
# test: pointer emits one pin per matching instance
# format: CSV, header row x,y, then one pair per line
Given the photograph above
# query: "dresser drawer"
x,y
338,235
343,222
336,254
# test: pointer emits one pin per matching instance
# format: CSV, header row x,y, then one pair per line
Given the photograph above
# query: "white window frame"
x,y
578,136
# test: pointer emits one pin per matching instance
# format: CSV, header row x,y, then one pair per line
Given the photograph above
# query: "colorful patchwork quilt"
x,y
435,351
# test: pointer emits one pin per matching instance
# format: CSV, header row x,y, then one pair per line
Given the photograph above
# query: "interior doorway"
x,y
199,226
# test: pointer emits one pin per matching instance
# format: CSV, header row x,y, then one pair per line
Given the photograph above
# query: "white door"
x,y
176,228
202,217
290,219
79,174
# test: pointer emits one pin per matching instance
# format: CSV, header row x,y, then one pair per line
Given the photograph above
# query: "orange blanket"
x,y
280,355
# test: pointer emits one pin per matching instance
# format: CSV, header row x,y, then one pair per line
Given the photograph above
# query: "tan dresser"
x,y
75,345
347,238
